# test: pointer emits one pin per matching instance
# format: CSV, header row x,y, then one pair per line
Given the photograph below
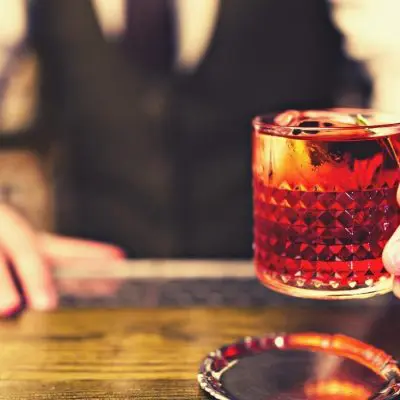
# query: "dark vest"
x,y
160,162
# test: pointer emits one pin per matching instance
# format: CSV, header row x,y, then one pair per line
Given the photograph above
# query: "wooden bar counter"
x,y
122,351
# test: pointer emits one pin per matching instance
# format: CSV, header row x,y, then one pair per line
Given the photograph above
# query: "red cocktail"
x,y
325,205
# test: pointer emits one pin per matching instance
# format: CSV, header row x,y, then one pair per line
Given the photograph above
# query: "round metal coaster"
x,y
301,366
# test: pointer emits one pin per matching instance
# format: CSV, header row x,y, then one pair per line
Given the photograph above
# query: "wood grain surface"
x,y
152,353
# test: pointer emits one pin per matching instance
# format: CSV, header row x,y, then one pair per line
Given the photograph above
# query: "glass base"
x,y
299,367
380,288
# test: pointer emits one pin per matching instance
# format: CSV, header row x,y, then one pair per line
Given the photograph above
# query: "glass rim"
x,y
218,362
265,124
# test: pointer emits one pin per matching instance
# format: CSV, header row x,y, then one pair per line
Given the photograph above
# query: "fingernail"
x,y
118,252
9,309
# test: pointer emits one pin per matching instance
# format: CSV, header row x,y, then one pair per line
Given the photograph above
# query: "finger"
x,y
19,242
9,297
88,288
55,247
391,254
396,287
398,195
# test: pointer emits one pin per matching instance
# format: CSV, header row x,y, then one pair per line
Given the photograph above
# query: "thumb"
x,y
396,287
391,254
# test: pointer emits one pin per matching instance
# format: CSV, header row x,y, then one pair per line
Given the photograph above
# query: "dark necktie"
x,y
149,37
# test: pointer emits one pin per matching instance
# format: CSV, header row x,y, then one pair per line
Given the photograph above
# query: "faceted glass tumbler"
x,y
325,202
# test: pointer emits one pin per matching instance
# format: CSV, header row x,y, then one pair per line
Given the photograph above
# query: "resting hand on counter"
x,y
31,255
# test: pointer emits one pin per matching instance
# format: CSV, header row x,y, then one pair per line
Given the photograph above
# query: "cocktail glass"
x,y
325,186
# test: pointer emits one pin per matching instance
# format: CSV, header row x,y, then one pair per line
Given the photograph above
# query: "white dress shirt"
x,y
194,26
370,27
372,36
195,22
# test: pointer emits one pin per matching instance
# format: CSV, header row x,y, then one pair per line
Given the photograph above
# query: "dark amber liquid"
x,y
326,238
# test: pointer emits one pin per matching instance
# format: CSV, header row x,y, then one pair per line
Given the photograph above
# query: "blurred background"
x,y
31,175
128,121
